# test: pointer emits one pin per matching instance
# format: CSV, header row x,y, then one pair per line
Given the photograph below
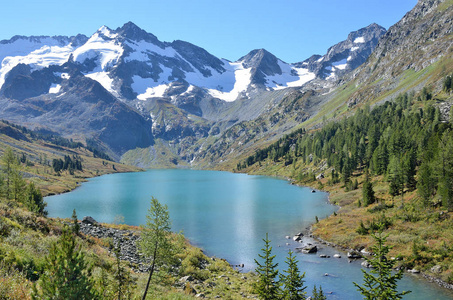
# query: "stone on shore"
x,y
89,220
308,249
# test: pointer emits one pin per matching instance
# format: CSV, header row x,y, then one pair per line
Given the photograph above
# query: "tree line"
x,y
397,139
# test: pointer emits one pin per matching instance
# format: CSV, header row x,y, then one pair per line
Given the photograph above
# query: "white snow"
x,y
108,52
287,79
341,65
359,40
54,89
39,58
104,79
241,81
354,48
157,91
321,59
349,58
142,48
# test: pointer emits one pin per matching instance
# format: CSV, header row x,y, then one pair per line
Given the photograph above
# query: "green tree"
x,y
267,287
9,168
367,191
156,238
293,280
318,295
426,183
66,273
75,223
380,283
445,169
34,200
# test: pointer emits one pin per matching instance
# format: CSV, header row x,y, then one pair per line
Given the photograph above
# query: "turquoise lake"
x,y
228,215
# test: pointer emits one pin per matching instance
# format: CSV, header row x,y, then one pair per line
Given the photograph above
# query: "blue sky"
x,y
293,30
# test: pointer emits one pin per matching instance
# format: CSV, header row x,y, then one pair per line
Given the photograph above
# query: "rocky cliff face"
x,y
420,39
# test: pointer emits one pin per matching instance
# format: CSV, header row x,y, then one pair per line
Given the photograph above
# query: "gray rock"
x,y
354,255
89,220
337,255
436,269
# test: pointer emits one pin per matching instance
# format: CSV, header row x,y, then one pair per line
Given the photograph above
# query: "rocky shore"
x,y
125,239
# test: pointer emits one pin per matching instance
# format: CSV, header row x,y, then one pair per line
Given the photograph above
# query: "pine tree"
x,y
293,280
318,295
426,183
156,243
75,223
66,274
34,200
367,191
380,283
9,168
267,287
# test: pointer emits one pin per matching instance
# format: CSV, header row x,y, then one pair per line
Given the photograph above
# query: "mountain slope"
x,y
125,88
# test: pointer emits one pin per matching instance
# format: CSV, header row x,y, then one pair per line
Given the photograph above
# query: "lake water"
x,y
228,215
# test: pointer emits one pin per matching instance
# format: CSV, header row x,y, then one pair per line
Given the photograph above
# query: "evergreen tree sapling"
x,y
293,281
267,287
66,275
318,294
156,240
380,283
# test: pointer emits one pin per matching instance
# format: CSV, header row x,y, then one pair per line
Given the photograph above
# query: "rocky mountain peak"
x,y
133,32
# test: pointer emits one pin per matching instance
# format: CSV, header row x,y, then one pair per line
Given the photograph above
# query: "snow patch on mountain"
x,y
54,89
106,51
241,81
104,79
142,49
359,40
38,59
341,64
158,91
290,77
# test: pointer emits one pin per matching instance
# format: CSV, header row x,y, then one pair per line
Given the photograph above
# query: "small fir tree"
x,y
66,274
75,223
380,283
293,280
156,243
318,295
267,287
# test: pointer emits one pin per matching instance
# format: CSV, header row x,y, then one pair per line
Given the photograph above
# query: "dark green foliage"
x,y
426,183
75,223
293,281
368,192
381,282
66,274
34,200
318,294
267,286
67,164
394,140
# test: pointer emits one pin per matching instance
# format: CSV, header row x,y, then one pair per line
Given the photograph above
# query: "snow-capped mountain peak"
x,y
132,64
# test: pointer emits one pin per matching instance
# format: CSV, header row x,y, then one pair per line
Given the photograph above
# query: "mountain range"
x,y
153,103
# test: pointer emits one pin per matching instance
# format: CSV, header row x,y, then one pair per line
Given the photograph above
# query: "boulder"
x,y
297,238
366,264
436,269
308,249
337,255
354,255
89,220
